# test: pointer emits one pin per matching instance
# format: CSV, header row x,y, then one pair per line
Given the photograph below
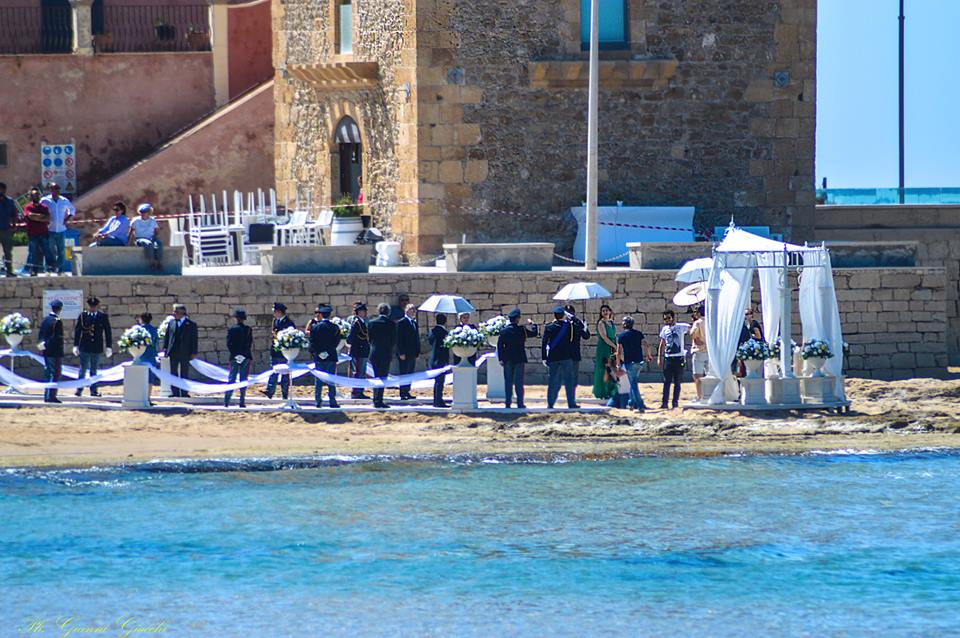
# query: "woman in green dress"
x,y
604,388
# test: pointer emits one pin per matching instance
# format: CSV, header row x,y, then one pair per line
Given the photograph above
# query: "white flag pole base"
x,y
165,391
465,388
495,384
136,383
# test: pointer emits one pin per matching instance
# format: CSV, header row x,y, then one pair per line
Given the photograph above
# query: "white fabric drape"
x,y
820,314
725,316
770,298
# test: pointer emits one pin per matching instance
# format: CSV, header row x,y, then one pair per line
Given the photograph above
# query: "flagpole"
x,y
592,129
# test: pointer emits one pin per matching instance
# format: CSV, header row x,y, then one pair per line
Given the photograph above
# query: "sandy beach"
x,y
885,416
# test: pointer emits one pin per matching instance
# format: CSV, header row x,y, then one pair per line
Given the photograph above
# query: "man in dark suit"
x,y
439,358
91,338
557,351
280,322
383,338
512,354
51,345
240,346
180,344
408,346
359,341
324,340
580,332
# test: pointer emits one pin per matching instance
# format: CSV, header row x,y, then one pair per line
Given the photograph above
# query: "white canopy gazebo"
x,y
729,289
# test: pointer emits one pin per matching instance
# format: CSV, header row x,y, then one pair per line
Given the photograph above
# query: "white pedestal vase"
x,y
165,390
753,367
290,354
495,383
345,231
136,381
464,387
136,352
752,391
816,365
14,342
707,385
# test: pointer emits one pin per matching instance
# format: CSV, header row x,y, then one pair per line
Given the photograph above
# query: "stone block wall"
x,y
894,319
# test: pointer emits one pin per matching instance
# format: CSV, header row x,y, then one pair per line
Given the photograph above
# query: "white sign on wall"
x,y
58,163
72,302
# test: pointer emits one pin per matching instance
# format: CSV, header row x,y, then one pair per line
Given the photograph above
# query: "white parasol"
x,y
451,304
695,270
580,291
694,293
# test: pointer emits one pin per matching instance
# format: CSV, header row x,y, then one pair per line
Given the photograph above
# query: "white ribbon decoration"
x,y
16,381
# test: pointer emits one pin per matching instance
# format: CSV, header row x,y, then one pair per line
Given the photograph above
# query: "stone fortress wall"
x,y
893,318
711,104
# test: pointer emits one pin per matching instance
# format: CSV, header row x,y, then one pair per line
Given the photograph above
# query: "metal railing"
x,y
28,30
129,29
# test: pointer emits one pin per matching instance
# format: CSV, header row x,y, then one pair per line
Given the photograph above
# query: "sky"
x,y
857,86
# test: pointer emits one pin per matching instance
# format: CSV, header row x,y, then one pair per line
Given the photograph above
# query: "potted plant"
x,y
491,329
816,352
14,327
134,340
164,30
464,341
344,326
290,341
753,353
346,221
198,39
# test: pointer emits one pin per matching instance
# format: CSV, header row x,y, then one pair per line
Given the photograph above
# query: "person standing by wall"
x,y
8,218
631,353
359,341
280,322
512,354
557,354
579,332
324,340
383,338
698,349
61,210
439,358
603,387
37,216
51,345
671,355
408,346
92,337
180,344
240,347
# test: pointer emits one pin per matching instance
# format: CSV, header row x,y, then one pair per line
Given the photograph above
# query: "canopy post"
x,y
786,349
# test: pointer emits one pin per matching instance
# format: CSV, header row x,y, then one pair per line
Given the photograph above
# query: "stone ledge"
x,y
126,260
314,260
666,255
519,257
575,74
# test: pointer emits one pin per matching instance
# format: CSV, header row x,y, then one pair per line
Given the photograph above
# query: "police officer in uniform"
x,y
512,354
556,348
91,338
51,345
439,358
324,339
280,322
359,341
383,338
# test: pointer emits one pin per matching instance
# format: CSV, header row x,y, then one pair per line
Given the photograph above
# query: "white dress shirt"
x,y
59,211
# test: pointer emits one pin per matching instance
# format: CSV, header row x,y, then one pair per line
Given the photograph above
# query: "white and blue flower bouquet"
x,y
14,324
464,337
816,349
134,337
290,338
494,326
753,350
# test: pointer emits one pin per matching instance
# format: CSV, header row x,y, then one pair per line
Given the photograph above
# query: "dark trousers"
x,y
284,380
562,373
241,371
89,362
358,370
39,255
513,382
407,366
330,367
381,368
438,382
52,367
179,368
672,373
6,242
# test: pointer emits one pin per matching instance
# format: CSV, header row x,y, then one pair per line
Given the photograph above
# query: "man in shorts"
x,y
698,349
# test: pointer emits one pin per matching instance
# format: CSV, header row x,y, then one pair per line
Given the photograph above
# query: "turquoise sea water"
x,y
840,544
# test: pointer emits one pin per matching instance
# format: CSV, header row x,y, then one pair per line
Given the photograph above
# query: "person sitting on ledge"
x,y
143,232
116,230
